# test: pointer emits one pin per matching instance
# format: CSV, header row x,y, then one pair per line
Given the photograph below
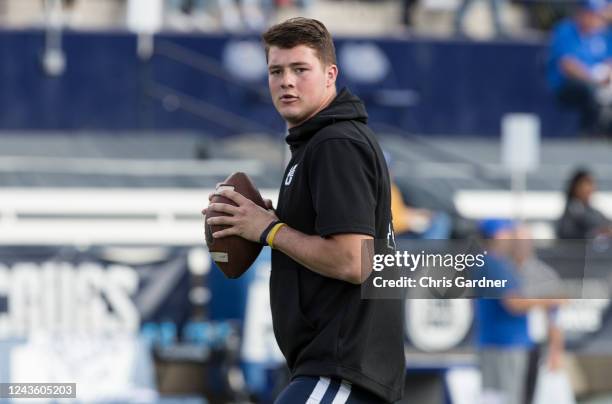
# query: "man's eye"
x,y
300,70
274,72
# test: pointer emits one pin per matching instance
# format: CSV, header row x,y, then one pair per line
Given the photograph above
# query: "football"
x,y
233,254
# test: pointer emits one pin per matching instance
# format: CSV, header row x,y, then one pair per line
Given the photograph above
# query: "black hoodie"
x,y
336,182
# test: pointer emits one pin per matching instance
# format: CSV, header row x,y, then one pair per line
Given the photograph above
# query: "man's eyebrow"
x,y
295,64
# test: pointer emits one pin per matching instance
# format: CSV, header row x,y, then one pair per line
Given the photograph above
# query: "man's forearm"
x,y
325,256
555,337
555,347
522,305
576,70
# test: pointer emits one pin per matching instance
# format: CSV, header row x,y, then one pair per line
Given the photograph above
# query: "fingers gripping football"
x,y
247,220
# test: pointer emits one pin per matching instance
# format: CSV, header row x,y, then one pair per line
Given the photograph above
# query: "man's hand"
x,y
269,204
555,347
246,220
555,360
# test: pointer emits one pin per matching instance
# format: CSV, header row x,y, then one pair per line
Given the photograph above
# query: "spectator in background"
x,y
411,222
579,64
580,220
234,15
503,339
540,280
496,6
303,5
408,7
245,14
189,14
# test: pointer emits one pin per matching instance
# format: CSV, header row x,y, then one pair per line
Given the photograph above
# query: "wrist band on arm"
x,y
272,234
263,239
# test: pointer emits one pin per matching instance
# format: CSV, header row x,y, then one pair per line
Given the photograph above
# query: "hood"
x,y
344,107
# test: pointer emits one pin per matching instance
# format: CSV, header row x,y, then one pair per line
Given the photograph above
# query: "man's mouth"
x,y
288,98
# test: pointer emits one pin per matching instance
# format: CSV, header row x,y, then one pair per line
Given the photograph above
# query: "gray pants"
x,y
504,374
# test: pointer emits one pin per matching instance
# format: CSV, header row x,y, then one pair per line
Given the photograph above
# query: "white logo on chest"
x,y
391,237
290,174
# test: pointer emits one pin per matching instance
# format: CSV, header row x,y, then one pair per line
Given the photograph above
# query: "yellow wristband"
x,y
272,234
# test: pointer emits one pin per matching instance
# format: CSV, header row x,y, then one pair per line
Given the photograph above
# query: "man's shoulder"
x,y
352,131
566,28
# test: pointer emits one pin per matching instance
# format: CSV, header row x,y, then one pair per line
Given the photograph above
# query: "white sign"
x,y
62,297
117,368
145,16
521,142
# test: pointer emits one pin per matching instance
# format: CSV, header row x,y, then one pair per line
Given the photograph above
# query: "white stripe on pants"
x,y
343,393
319,391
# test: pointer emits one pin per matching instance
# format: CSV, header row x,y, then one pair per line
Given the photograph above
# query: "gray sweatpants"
x,y
504,374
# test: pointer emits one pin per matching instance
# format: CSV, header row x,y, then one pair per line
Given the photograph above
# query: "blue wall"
x,y
462,87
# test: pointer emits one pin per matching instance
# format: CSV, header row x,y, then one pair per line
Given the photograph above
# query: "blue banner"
x,y
217,84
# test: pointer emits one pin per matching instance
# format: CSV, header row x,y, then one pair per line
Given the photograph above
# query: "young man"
x,y
334,195
579,67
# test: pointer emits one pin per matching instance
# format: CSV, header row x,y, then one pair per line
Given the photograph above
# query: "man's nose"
x,y
288,81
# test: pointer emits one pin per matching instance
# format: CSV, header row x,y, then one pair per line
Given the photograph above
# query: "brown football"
x,y
233,254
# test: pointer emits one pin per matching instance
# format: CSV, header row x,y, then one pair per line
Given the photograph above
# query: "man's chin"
x,y
293,119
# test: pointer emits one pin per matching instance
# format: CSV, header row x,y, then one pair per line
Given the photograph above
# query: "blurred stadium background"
x,y
117,118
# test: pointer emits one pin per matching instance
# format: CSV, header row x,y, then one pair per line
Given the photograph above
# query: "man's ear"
x,y
332,74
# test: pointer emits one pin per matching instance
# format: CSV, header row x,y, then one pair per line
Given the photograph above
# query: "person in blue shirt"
x,y
504,344
579,63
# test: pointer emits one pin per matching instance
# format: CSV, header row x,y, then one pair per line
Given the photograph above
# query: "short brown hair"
x,y
301,31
